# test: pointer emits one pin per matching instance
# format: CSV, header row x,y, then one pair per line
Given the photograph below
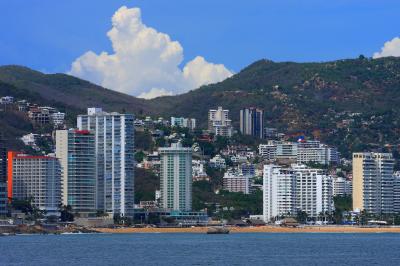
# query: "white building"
x,y
342,186
218,162
314,190
58,119
267,151
279,192
303,152
29,139
219,122
183,122
198,170
6,100
176,177
114,144
298,188
237,182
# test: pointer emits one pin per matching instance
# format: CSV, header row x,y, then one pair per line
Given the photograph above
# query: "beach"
x,y
258,229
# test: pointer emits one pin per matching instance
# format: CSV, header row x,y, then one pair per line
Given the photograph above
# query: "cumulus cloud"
x,y
144,62
390,48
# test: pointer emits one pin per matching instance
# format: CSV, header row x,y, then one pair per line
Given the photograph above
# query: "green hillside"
x,y
352,103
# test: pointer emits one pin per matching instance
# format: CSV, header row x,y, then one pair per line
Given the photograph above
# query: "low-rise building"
x,y
342,186
217,162
237,182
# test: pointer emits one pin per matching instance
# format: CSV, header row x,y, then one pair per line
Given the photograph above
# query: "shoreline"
x,y
260,229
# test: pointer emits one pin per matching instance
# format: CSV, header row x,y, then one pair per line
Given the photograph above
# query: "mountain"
x,y
351,103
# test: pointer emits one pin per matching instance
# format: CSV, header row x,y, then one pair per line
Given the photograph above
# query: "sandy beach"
x,y
260,229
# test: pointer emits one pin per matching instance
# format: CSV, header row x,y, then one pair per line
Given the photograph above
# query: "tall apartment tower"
x,y
373,182
279,192
176,177
219,122
252,122
76,151
314,190
115,150
35,177
3,177
297,188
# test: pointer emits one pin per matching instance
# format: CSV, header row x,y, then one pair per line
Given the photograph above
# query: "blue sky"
x,y
48,35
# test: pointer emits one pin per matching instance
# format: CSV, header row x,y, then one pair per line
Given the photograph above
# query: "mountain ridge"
x,y
312,98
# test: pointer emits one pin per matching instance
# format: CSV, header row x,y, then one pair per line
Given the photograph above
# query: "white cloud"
x,y
154,93
144,62
390,48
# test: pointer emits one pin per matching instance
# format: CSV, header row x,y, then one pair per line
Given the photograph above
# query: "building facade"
x,y
219,122
183,122
342,186
279,192
176,177
115,163
3,177
36,178
75,150
252,122
286,191
373,182
303,152
237,182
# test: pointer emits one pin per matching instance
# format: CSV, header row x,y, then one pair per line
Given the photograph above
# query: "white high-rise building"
x,y
219,122
176,177
373,182
314,190
115,150
298,188
279,192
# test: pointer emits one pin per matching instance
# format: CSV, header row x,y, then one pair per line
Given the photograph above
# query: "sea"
x,y
202,249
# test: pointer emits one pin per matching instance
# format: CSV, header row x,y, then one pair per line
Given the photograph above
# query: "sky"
x,y
149,48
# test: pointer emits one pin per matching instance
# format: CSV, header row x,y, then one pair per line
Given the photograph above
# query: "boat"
x,y
217,230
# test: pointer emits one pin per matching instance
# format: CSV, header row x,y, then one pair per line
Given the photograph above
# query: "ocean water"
x,y
201,249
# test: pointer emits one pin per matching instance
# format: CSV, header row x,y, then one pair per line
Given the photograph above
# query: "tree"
x,y
139,156
301,216
66,213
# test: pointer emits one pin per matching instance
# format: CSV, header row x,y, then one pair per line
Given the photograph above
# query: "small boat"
x,y
216,230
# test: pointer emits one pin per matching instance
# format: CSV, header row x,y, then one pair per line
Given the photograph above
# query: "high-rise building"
x,y
279,192
314,190
252,122
176,177
76,151
219,122
3,177
36,178
115,150
298,188
373,182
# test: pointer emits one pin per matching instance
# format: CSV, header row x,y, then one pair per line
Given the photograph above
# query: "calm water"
x,y
199,249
